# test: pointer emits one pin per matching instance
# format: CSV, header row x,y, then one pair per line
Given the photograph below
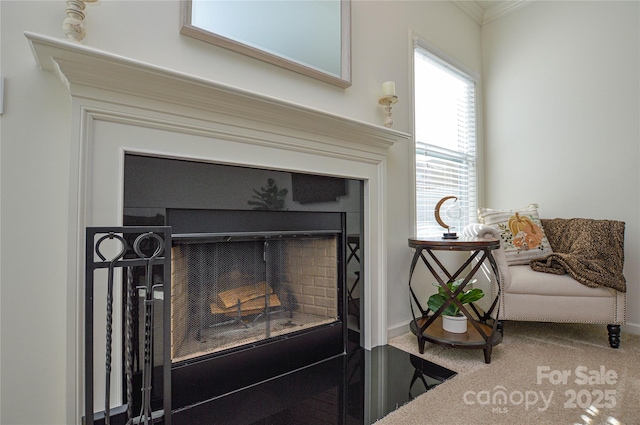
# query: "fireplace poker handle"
x,y
149,288
109,342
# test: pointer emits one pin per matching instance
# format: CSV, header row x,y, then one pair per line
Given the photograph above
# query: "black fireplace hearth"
x,y
338,391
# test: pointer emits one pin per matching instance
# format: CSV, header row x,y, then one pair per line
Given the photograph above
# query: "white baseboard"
x,y
398,329
631,328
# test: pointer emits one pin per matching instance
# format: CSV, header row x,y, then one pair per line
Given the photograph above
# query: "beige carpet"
x,y
542,373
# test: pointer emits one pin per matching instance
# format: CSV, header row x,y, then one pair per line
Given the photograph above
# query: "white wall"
x,y
35,144
562,113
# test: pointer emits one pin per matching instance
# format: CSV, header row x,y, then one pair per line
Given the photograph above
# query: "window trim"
x,y
446,60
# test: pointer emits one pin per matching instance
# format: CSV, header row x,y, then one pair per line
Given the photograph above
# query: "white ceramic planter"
x,y
454,324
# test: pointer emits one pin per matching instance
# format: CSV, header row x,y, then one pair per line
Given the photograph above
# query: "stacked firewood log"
x,y
245,300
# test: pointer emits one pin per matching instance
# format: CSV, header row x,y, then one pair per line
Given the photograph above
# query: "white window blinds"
x,y
445,124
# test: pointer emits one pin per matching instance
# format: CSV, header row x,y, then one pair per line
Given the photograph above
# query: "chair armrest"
x,y
484,231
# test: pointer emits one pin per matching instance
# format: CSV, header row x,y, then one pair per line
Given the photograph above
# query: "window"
x,y
445,128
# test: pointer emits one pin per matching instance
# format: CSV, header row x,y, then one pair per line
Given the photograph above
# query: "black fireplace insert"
x,y
255,295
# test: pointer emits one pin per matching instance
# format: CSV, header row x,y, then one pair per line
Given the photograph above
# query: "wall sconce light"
x,y
388,98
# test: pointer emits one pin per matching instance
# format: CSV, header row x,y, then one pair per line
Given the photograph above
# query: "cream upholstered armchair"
x,y
548,288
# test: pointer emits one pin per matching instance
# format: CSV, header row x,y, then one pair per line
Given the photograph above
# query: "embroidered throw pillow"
x,y
523,237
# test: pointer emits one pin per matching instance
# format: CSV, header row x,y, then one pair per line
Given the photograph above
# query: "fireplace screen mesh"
x,y
228,293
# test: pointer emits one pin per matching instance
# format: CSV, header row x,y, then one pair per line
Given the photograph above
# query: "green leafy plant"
x,y
469,296
269,197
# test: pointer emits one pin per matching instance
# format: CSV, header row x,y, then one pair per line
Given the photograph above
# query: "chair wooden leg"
x,y
614,335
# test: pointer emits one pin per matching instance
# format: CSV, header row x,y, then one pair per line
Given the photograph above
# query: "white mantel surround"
x,y
120,105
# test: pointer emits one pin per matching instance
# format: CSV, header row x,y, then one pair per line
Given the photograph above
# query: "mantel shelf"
x,y
84,69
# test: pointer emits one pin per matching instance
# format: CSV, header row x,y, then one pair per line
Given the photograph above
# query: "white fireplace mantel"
x,y
120,105
80,67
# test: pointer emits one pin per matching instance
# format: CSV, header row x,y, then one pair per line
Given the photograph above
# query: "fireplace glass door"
x,y
234,291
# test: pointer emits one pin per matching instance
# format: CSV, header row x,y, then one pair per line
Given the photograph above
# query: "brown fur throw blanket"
x,y
591,251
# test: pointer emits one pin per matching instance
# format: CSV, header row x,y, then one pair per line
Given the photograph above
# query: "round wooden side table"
x,y
483,331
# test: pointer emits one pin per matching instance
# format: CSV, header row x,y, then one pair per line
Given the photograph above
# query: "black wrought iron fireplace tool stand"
x,y
130,253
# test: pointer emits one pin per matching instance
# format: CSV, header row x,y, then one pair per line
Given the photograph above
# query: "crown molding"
x,y
471,8
483,16
502,9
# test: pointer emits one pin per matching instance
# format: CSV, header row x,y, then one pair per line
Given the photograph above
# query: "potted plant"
x,y
452,319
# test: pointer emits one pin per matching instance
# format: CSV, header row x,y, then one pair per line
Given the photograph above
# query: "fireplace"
x,y
255,293
121,106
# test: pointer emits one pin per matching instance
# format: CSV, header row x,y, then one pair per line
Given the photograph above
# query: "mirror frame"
x,y
344,80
